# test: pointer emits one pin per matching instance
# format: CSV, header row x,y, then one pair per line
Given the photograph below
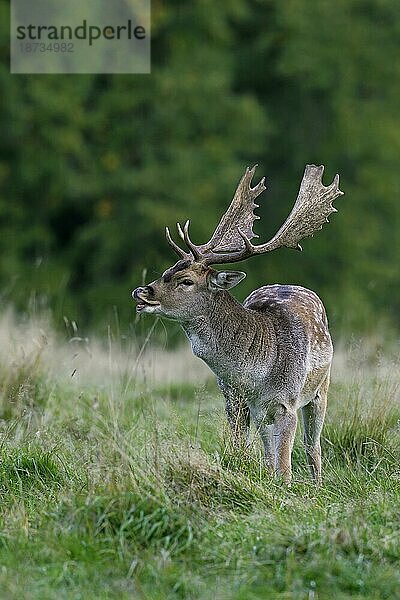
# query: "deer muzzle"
x,y
142,295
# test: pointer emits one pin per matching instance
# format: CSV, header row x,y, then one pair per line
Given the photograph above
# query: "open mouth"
x,y
142,304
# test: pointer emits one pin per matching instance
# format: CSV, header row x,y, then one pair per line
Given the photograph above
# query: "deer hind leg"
x,y
313,419
284,431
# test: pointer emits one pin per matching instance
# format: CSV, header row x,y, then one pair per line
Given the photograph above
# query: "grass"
x,y
117,480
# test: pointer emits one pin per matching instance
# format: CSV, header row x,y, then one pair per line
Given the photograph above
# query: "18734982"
x,y
44,47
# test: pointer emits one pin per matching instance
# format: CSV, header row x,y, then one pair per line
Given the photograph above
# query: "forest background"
x,y
92,167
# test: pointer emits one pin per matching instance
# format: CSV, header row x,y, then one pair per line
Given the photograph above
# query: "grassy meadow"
x,y
117,479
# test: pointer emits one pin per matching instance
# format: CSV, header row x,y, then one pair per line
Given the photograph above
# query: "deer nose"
x,y
147,290
136,292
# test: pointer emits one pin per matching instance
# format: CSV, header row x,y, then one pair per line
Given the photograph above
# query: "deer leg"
x,y
267,438
284,430
238,415
313,419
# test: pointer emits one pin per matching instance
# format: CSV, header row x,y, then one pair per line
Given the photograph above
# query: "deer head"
x,y
186,289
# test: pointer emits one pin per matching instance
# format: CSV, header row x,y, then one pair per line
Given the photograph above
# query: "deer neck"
x,y
229,337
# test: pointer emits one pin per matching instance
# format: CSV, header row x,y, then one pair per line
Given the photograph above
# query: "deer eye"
x,y
186,282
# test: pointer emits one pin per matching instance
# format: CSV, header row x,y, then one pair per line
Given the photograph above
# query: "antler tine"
x,y
192,247
175,246
257,189
180,231
184,235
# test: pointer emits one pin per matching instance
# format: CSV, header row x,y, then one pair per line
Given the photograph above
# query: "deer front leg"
x,y
238,415
267,438
284,430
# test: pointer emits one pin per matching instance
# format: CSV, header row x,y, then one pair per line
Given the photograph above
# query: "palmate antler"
x,y
231,241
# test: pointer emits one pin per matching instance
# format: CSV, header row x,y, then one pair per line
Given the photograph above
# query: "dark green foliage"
x,y
93,167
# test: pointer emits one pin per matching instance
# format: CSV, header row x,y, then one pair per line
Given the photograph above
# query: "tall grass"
x,y
117,479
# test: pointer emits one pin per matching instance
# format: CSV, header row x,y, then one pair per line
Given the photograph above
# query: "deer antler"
x,y
311,210
231,239
226,237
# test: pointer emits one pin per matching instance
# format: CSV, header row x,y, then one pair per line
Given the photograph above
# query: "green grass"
x,y
111,490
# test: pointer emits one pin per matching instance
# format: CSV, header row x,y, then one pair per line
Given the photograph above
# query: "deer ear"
x,y
224,280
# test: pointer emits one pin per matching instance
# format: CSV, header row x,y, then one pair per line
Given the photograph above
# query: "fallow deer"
x,y
272,354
